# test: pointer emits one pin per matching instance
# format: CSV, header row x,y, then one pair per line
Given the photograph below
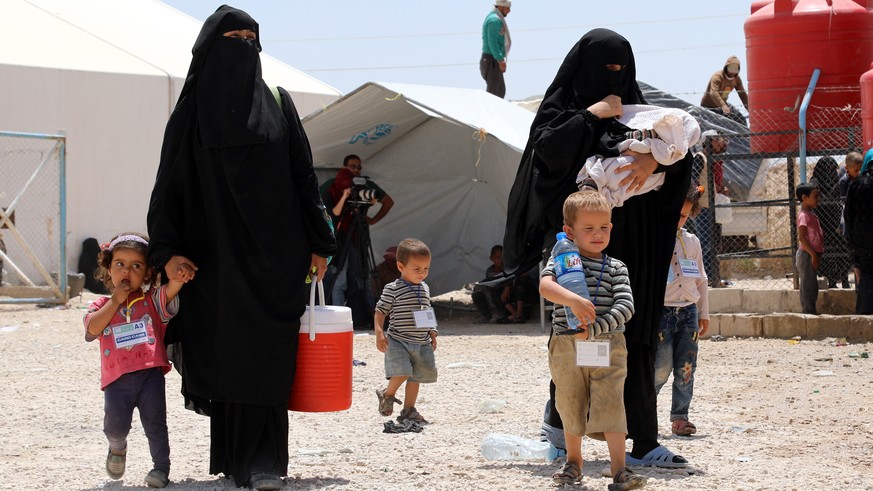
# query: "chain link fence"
x,y
32,218
748,230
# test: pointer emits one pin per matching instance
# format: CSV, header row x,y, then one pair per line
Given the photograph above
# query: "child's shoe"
x,y
625,479
386,403
115,464
157,478
411,414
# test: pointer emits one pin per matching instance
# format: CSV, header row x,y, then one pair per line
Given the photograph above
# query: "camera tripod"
x,y
357,262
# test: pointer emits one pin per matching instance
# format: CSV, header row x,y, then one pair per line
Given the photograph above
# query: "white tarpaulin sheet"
x,y
446,156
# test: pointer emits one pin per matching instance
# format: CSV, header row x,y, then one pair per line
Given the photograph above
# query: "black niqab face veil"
x,y
583,78
234,105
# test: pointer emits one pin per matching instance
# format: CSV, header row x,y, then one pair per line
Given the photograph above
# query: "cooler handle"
x,y
312,289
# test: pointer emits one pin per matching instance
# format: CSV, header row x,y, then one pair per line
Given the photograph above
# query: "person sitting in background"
x,y
387,271
503,303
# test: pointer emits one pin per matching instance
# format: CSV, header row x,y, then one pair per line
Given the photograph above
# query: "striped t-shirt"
x,y
398,302
613,300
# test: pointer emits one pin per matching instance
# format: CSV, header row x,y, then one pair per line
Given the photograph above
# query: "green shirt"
x,y
493,39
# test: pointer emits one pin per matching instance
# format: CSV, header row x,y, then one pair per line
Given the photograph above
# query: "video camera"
x,y
360,194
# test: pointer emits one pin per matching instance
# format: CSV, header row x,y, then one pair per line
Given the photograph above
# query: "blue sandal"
x,y
659,456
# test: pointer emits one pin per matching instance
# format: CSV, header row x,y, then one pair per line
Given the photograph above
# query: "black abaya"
x,y
564,133
236,194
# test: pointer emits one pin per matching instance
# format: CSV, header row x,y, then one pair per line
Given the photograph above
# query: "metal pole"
x,y
802,121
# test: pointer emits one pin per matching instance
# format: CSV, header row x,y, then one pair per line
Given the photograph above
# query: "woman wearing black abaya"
x,y
835,261
236,195
575,121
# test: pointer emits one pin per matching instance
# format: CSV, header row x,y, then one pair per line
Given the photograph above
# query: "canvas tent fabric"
x,y
447,157
107,74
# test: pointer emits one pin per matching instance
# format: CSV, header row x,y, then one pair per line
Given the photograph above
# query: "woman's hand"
x,y
319,264
181,269
610,106
642,167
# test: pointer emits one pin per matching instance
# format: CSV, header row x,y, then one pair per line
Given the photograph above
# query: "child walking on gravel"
x,y
410,340
130,326
589,363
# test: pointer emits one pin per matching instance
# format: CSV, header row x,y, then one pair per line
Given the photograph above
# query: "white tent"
x,y
107,74
446,156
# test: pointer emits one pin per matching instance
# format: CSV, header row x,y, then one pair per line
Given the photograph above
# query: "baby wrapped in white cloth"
x,y
668,135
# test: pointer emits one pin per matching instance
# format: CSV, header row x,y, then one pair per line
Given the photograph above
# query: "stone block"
x,y
767,301
741,325
725,300
836,302
855,328
785,325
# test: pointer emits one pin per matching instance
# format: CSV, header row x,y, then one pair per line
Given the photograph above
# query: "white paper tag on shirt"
x,y
592,353
130,335
425,318
689,267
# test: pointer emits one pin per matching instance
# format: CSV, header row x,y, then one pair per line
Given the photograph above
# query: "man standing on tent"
x,y
495,48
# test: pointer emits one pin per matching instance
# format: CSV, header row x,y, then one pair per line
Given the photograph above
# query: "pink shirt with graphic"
x,y
813,230
139,350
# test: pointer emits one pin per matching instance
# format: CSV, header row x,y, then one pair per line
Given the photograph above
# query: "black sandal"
x,y
570,473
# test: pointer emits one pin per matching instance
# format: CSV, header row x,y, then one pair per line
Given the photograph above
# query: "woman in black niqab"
x,y
835,260
236,197
574,121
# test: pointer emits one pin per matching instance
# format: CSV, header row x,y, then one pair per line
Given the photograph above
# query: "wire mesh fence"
x,y
32,213
748,229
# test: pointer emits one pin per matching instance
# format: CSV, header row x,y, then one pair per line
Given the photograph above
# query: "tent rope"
x,y
479,135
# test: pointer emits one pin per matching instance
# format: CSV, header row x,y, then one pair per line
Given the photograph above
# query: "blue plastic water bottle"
x,y
570,273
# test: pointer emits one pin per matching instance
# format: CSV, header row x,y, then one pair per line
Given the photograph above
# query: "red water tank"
x,y
867,107
785,41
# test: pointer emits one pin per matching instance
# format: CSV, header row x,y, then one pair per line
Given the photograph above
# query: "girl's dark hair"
x,y
693,197
104,260
804,189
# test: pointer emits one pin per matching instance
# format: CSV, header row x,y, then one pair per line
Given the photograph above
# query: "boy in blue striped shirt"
x,y
410,339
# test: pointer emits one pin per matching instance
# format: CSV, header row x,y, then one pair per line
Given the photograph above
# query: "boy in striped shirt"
x,y
589,395
410,339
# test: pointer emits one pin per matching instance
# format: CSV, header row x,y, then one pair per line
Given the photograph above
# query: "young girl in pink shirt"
x,y
131,325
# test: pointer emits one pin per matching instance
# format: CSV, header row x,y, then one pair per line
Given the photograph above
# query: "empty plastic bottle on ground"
x,y
498,446
570,273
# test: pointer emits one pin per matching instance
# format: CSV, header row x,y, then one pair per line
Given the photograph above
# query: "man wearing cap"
x,y
495,47
719,89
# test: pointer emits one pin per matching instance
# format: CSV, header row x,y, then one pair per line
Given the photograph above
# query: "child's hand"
x,y
381,342
119,296
175,270
185,272
433,341
702,327
583,309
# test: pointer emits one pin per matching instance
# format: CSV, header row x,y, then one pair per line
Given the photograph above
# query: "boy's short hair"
x,y
585,200
411,247
854,158
804,189
494,249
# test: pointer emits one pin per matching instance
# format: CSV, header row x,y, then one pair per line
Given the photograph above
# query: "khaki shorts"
x,y
590,400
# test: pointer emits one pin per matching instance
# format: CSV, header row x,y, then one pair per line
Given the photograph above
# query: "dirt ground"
x,y
772,415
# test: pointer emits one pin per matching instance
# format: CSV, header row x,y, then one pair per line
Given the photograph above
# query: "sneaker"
x,y
411,414
157,478
115,464
386,403
266,482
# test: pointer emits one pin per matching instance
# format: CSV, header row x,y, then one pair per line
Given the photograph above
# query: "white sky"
x,y
678,44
